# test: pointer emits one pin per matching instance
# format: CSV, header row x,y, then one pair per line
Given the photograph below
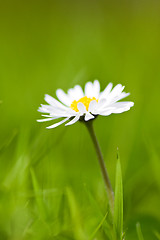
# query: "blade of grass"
x,y
118,208
107,226
8,141
155,164
154,158
39,200
157,234
139,232
75,215
17,174
99,226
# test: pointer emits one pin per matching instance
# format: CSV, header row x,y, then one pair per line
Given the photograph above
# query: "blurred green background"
x,y
50,182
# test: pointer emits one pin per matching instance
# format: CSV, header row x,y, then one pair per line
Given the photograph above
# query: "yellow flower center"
x,y
85,100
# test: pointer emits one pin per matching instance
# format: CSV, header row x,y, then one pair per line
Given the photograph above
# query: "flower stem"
x,y
109,189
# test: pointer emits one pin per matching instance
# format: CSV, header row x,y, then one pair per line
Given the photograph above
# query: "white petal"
x,y
92,89
89,89
56,112
123,104
100,106
106,91
109,102
119,105
74,120
116,98
92,106
45,119
96,89
105,113
59,123
75,93
49,116
63,97
101,102
42,109
72,112
121,96
116,108
117,90
46,109
121,110
53,102
81,108
88,116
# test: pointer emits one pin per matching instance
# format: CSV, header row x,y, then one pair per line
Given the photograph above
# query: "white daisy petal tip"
x,y
63,97
46,95
131,104
76,104
44,120
88,116
96,82
74,120
58,124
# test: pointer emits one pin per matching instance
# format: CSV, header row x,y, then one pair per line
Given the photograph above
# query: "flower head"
x,y
77,104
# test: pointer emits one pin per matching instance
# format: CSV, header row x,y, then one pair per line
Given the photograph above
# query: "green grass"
x,y
139,232
118,208
50,181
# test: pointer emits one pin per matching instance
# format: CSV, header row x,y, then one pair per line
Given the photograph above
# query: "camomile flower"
x,y
85,105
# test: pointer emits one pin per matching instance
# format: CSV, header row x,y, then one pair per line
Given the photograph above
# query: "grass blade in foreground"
x,y
139,232
38,198
99,226
118,207
157,234
75,216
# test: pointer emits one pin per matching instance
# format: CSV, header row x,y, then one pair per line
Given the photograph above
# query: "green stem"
x,y
109,189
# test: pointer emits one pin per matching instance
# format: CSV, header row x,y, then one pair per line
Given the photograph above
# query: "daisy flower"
x,y
85,105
